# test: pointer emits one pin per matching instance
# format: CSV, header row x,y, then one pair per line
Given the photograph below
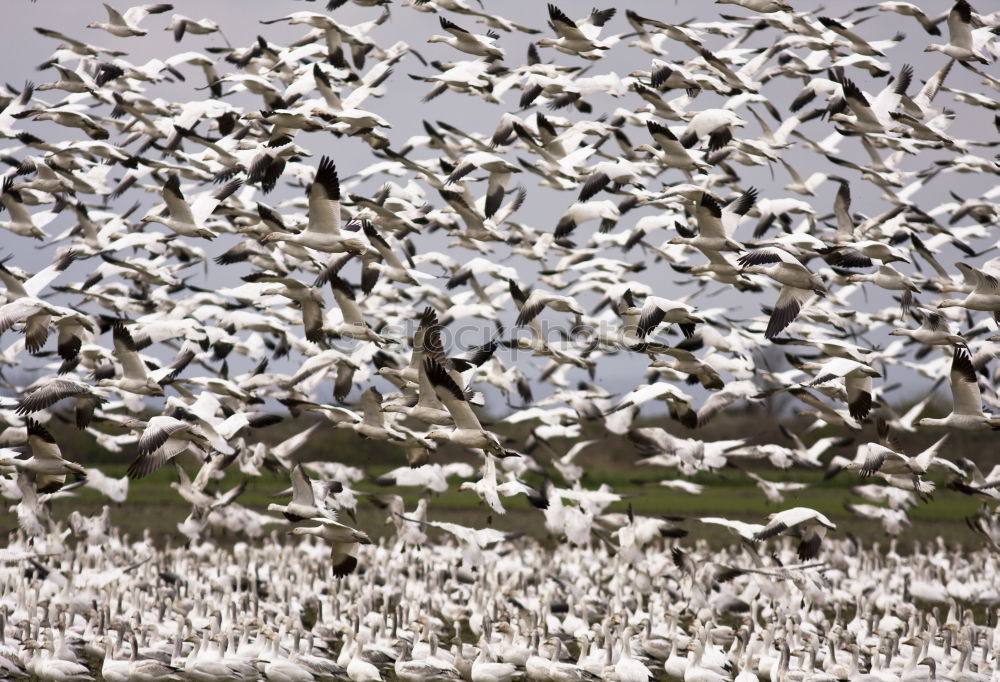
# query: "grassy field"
x,y
155,506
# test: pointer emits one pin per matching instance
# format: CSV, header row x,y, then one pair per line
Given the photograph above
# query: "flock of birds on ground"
x,y
362,268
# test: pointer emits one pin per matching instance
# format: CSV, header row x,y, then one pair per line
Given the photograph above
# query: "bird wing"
x,y
43,445
175,201
324,199
709,216
48,394
786,309
133,15
302,490
127,353
964,385
158,430
115,17
206,204
371,407
983,282
449,393
564,26
344,295
960,25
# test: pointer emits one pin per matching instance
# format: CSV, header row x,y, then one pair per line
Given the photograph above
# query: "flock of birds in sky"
x,y
343,267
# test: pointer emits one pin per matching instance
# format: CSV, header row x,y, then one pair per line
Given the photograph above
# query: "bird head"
x,y
438,434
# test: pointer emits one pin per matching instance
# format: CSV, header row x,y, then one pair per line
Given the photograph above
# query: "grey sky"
x,y
402,107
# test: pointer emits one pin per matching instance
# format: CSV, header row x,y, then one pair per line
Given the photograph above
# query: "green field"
x,y
152,504
155,506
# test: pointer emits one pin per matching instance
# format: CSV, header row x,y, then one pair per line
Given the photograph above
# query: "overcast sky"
x,y
402,107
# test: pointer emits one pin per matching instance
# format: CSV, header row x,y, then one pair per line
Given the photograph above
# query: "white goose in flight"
x,y
303,504
135,378
189,219
933,331
470,43
964,43
323,231
126,24
808,524
578,38
967,401
342,540
796,284
985,294
468,432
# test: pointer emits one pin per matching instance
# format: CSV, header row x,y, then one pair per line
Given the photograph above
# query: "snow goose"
x,y
189,219
688,363
16,105
135,378
433,477
582,212
464,41
678,401
620,172
280,668
468,432
163,438
627,668
373,423
716,225
47,392
697,669
44,665
857,377
46,462
656,310
307,298
181,24
484,669
731,393
796,280
474,542
353,324
499,171
303,505
884,458
775,491
115,489
409,669
578,38
934,330
855,43
538,300
714,124
872,117
892,520
389,265
762,6
537,668
342,540
669,151
967,401
35,313
323,231
126,24
964,43
808,524
908,9
985,294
